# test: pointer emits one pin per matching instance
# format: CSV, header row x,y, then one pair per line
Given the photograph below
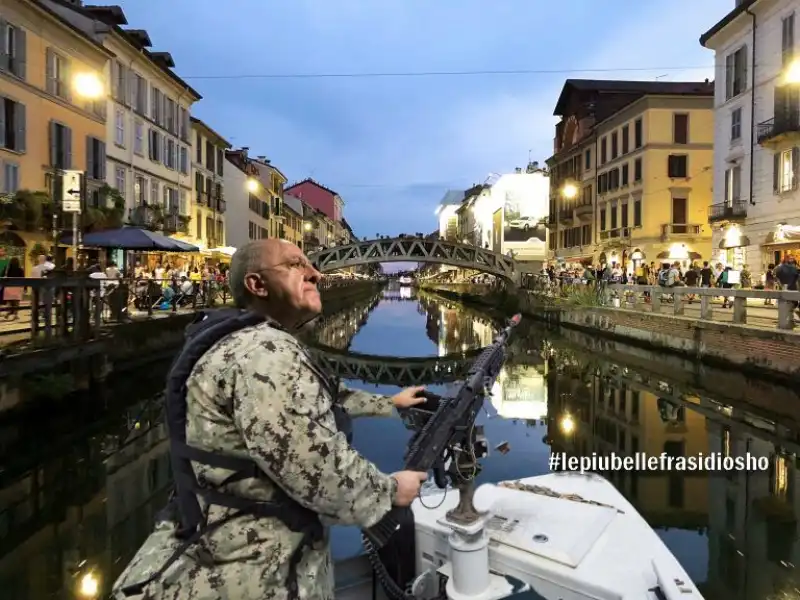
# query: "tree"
x,y
25,210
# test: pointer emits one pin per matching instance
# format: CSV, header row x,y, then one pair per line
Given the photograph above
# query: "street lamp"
x,y
307,226
569,191
88,86
252,185
792,73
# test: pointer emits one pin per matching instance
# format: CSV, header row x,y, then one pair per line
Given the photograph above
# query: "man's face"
x,y
289,282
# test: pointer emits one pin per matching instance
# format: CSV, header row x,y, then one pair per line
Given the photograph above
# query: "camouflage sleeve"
x,y
287,425
358,403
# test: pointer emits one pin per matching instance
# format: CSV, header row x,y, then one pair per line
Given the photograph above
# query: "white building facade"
x,y
756,213
148,143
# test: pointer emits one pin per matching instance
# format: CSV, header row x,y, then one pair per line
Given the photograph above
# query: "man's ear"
x,y
255,285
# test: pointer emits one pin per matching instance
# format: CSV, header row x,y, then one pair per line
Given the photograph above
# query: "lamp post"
x,y
88,86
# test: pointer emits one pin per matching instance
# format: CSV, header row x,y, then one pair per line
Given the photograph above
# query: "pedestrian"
x,y
261,441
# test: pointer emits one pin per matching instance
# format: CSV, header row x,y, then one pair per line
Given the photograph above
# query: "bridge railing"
x,y
763,308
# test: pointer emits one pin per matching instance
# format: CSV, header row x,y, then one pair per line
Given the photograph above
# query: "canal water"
x,y
81,484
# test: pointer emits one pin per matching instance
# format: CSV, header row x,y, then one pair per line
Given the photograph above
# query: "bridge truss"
x,y
414,250
403,372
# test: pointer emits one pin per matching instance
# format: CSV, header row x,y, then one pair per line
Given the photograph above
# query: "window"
x,y
10,177
602,219
154,189
637,212
733,184
15,47
95,158
679,214
613,216
587,159
680,128
624,209
198,144
60,146
210,157
614,145
786,106
736,73
156,107
787,39
12,125
785,170
184,160
603,151
638,134
156,145
625,174
140,190
138,142
171,115
140,94
677,166
221,162
626,139
57,75
183,123
119,181
637,170
120,76
119,127
170,153
198,223
736,124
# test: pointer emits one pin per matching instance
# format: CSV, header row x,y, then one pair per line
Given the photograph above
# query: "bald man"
x,y
255,396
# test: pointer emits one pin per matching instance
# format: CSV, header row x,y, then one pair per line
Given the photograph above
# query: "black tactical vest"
x,y
206,330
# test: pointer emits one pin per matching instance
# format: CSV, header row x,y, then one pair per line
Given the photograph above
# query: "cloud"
x,y
392,146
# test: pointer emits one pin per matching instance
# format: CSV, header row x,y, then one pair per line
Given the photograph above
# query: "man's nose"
x,y
313,275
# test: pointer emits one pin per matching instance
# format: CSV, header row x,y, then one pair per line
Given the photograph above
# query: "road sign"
x,y
71,191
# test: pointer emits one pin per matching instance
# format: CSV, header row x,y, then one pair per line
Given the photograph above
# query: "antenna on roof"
x,y
660,76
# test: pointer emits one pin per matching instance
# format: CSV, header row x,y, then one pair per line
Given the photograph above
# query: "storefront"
x,y
731,250
781,244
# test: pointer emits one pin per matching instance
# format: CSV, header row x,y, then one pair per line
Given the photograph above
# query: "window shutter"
x,y
737,184
3,123
67,148
115,79
728,177
53,146
21,56
745,85
795,167
90,170
50,83
728,76
67,79
101,159
776,172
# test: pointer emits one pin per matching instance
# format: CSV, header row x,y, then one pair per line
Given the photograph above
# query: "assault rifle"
x,y
446,439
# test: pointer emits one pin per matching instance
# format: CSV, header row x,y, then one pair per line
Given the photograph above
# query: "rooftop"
x,y
740,9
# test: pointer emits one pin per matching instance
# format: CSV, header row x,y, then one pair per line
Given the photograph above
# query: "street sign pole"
x,y
72,186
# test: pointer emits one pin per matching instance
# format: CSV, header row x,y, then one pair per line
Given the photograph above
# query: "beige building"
x,y
208,167
631,173
293,219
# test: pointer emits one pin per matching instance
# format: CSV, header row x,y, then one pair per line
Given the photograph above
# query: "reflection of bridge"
x,y
394,371
418,250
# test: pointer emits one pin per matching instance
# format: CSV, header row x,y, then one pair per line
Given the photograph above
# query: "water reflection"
x,y
82,503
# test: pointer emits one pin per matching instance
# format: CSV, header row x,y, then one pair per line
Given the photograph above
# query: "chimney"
x,y
518,170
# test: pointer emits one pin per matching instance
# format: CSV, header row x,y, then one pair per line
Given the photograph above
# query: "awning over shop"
x,y
132,238
666,255
742,241
785,235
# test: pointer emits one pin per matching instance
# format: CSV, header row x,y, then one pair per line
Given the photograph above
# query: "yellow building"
x,y
631,173
208,165
52,82
272,181
293,228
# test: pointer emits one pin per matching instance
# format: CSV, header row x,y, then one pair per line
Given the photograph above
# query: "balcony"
x,y
565,216
584,211
175,223
727,211
785,127
145,215
679,230
222,206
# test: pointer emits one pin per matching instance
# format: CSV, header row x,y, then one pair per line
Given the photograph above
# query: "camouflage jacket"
x,y
256,394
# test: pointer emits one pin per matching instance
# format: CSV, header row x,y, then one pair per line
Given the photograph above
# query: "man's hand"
x,y
408,484
408,397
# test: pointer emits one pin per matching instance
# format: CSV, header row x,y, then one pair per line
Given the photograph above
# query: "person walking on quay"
x,y
261,441
12,295
769,282
787,275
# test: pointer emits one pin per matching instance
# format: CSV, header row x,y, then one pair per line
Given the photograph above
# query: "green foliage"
x,y
24,210
37,250
109,215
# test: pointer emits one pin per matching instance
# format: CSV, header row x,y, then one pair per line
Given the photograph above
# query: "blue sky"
x,y
391,146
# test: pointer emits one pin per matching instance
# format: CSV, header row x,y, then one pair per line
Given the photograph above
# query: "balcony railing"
x,y
679,229
175,223
726,211
778,127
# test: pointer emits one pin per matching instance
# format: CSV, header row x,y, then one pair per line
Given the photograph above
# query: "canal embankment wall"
x,y
62,368
754,350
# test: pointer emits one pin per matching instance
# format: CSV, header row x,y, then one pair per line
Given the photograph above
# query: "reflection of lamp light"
x,y
567,424
733,237
791,75
89,586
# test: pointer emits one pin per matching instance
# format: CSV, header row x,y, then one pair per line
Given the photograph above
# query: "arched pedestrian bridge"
x,y
418,250
384,370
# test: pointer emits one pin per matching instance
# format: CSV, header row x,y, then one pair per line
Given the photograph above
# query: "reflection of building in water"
x,y
753,537
337,330
79,513
593,414
520,392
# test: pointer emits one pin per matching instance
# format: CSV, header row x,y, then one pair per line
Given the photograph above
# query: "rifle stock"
x,y
450,424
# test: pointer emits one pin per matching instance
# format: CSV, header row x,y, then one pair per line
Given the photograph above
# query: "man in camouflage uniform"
x,y
256,394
